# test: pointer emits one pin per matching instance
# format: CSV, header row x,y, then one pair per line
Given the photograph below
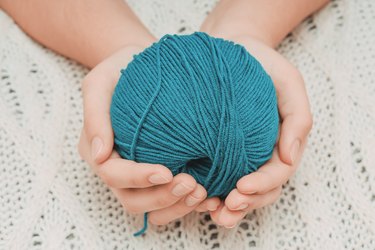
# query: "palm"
x,y
263,187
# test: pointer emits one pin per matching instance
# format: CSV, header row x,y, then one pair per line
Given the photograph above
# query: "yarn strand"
x,y
138,130
145,225
198,105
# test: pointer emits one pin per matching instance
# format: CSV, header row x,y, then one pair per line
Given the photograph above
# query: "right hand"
x,y
264,186
139,187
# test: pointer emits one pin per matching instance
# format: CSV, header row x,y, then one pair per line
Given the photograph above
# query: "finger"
x,y
292,99
271,175
97,89
228,218
140,200
210,204
215,214
122,173
97,93
179,209
238,201
295,114
84,149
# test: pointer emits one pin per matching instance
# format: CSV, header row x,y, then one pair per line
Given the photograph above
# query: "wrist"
x,y
234,29
99,50
102,35
85,31
267,21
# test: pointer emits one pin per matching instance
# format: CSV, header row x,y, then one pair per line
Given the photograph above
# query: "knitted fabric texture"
x,y
198,105
51,199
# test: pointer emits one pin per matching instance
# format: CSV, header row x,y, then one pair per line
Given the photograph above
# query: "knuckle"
x,y
308,122
132,164
186,179
136,182
163,201
105,176
266,182
251,203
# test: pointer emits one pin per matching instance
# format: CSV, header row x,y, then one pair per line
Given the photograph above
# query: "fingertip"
x,y
294,131
247,184
97,121
200,191
284,153
210,204
213,204
101,149
187,179
289,151
229,218
196,197
164,171
216,213
156,174
234,200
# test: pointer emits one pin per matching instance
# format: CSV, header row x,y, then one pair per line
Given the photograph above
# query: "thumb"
x,y
295,114
97,89
294,131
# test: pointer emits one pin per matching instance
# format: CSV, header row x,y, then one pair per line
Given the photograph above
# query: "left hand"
x,y
165,197
264,186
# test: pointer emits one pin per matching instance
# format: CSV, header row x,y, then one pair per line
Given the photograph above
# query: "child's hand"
x,y
263,187
139,187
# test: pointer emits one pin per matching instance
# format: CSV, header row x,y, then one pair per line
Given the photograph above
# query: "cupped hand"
x,y
264,186
139,187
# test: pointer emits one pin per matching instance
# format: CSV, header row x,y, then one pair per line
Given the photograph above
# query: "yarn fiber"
x,y
198,105
51,199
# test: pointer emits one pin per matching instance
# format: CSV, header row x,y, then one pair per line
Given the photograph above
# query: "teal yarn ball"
x,y
198,105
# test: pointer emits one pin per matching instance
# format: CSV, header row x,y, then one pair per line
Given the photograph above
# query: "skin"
x,y
104,35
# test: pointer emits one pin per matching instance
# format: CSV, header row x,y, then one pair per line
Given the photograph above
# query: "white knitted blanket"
x,y
50,199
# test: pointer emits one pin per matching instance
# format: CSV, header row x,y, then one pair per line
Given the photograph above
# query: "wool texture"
x,y
198,105
51,199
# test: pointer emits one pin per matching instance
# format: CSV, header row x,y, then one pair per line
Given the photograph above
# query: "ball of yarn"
x,y
198,105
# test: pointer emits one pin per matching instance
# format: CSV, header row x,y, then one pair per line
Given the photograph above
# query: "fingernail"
x,y
96,147
232,226
157,179
211,207
181,189
242,206
295,149
191,201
